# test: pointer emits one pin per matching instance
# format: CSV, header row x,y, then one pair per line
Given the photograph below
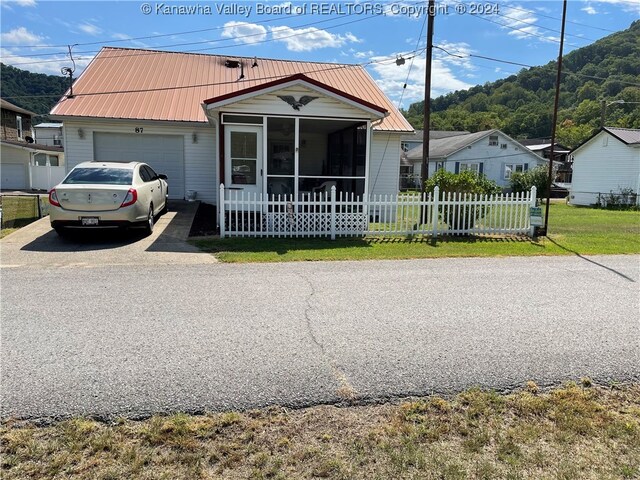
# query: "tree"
x,y
536,177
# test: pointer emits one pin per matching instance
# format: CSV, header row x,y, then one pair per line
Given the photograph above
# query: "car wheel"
x,y
150,221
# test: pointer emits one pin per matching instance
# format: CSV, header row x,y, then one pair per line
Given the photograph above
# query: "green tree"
x,y
536,177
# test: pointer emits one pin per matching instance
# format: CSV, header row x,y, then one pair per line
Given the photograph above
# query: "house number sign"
x,y
138,129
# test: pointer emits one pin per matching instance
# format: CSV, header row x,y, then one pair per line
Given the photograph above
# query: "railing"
x,y
340,214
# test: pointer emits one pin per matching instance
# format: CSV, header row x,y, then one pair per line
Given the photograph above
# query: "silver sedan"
x,y
108,195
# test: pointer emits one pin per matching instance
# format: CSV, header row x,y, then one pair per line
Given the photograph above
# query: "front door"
x,y
243,158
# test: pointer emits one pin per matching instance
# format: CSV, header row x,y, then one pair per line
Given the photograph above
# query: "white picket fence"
x,y
335,214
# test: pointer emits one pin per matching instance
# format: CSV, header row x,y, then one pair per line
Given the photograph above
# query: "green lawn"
x,y
572,230
575,432
20,210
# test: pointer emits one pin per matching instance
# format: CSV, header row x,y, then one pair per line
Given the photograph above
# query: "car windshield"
x,y
107,176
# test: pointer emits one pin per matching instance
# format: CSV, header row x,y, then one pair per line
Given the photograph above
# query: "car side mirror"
x,y
162,176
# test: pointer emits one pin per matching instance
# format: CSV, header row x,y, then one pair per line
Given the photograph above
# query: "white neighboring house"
x,y
49,134
490,152
608,162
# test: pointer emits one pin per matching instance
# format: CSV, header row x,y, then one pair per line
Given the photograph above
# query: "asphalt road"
x,y
136,340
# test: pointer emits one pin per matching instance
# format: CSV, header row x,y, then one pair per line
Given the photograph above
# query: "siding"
x,y
270,104
384,168
601,169
199,158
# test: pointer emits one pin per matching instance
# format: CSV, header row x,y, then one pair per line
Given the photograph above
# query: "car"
x,y
108,195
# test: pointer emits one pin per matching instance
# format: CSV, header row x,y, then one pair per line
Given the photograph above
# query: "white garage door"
x,y
14,176
165,154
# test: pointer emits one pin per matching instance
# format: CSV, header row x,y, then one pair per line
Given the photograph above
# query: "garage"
x,y
14,176
165,154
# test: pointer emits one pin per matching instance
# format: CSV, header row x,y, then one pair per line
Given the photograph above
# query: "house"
x,y
490,152
410,172
561,157
49,134
259,126
20,155
605,164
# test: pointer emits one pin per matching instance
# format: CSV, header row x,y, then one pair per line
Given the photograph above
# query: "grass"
x,y
573,432
573,230
20,210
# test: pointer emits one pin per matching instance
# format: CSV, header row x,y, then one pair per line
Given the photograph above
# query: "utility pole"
x,y
555,118
424,172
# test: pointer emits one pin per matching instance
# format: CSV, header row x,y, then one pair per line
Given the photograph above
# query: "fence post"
x,y
221,210
333,212
434,213
532,203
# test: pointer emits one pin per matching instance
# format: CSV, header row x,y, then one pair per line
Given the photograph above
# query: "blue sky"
x,y
35,33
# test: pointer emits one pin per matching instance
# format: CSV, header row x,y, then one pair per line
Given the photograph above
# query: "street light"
x,y
603,112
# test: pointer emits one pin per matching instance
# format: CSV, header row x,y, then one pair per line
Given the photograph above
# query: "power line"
x,y
556,18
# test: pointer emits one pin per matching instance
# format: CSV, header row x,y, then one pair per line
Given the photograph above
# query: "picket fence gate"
x,y
332,214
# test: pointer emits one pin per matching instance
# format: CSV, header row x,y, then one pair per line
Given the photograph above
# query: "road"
x,y
112,341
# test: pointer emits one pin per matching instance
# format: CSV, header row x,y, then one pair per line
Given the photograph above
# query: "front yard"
x,y
21,210
572,230
574,432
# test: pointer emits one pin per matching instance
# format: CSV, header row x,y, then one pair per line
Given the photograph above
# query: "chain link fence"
x,y
19,210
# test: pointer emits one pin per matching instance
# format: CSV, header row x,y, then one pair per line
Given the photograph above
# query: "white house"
x,y
256,125
608,162
49,134
490,152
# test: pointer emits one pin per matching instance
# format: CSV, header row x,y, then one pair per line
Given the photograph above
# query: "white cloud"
x,y
21,3
590,10
391,78
90,29
521,24
627,5
367,54
458,54
243,32
307,39
124,36
20,36
50,65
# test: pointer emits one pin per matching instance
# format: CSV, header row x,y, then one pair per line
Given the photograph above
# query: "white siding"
x,y
384,168
600,168
199,158
46,135
270,104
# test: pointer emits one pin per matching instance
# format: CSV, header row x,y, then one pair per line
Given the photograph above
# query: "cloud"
x,y
307,39
458,54
20,3
366,54
90,29
50,65
590,10
243,32
627,5
521,24
20,36
391,78
124,36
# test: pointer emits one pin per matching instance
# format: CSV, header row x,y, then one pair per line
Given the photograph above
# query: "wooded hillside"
x,y
16,82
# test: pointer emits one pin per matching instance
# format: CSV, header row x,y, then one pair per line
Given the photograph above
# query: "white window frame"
x,y
19,129
503,146
493,140
473,166
510,168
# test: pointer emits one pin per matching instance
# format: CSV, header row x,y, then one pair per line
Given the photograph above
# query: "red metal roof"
x,y
171,86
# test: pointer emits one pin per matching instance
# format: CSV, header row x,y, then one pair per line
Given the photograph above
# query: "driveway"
x,y
135,340
38,245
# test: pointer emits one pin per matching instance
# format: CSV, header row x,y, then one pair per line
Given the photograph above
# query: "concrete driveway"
x,y
39,245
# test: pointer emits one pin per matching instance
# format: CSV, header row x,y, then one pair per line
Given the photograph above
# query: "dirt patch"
x,y
204,222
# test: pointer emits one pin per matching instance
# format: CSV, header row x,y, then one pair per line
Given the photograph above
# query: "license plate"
x,y
89,220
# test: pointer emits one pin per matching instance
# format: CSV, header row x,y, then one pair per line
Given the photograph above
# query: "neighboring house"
x,y
490,152
608,162
20,155
409,172
49,134
257,125
561,157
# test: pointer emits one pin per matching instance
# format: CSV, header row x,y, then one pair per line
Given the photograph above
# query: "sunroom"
x,y
293,138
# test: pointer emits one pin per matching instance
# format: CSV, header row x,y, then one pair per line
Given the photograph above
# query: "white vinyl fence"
x,y
45,177
340,214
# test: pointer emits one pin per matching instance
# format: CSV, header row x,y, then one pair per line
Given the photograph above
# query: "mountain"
x,y
27,88
521,105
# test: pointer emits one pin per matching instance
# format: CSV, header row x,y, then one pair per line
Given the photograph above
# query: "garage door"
x,y
165,154
14,176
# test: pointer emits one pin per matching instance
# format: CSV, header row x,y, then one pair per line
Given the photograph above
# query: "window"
x,y
493,140
144,174
244,157
474,167
40,159
54,161
512,168
242,119
108,176
503,146
439,166
57,141
19,126
404,146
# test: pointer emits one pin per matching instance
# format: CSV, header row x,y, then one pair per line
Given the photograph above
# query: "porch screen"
x,y
244,155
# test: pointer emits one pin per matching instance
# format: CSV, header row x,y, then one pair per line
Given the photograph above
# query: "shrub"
x,y
465,182
523,181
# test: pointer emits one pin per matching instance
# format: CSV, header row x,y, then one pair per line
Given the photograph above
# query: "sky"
x,y
35,34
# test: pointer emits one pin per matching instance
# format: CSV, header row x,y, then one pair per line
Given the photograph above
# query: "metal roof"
x,y
627,135
48,125
171,86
